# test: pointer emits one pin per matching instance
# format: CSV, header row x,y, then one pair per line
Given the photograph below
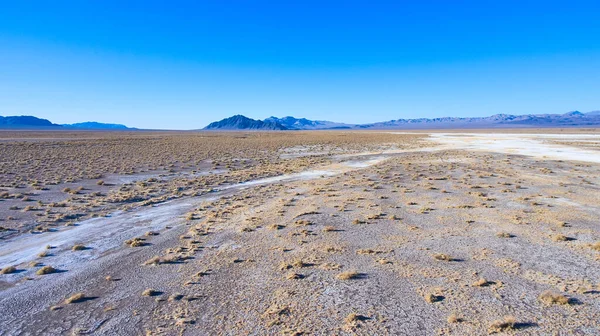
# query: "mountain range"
x,y
305,124
30,122
96,125
570,119
24,121
240,122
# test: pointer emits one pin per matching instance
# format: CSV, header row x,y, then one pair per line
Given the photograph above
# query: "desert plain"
x,y
300,233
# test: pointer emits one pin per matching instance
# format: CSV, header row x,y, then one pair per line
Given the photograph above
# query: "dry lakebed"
x,y
300,233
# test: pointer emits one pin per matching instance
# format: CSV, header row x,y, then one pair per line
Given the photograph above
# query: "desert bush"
x,y
549,298
75,298
453,318
503,325
482,282
348,275
353,318
150,292
442,257
293,275
8,270
46,270
135,242
432,298
560,238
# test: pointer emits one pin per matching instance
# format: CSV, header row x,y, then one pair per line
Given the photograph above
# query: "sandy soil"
x,y
469,234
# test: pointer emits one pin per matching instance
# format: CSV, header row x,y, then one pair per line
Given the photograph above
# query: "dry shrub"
x,y
560,238
8,270
150,292
175,297
46,270
303,222
550,298
153,261
184,321
368,251
505,324
75,298
300,263
354,318
431,298
348,275
442,257
453,318
135,242
294,276
170,259
330,266
482,282
78,247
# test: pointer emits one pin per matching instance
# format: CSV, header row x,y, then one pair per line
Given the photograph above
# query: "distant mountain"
x,y
239,122
25,122
574,118
31,122
305,124
97,125
570,119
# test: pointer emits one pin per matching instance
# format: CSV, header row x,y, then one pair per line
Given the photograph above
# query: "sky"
x,y
184,64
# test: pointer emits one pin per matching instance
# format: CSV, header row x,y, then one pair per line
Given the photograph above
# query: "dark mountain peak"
x,y
25,121
31,122
239,121
501,116
289,121
574,114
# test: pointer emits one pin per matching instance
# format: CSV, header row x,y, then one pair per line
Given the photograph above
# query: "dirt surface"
x,y
461,234
52,179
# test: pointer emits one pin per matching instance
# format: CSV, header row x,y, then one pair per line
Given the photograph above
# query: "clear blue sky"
x,y
181,65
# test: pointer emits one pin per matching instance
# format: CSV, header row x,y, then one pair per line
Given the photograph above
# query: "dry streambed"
x,y
100,235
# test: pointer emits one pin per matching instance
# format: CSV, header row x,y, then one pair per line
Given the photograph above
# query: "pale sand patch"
x,y
520,144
